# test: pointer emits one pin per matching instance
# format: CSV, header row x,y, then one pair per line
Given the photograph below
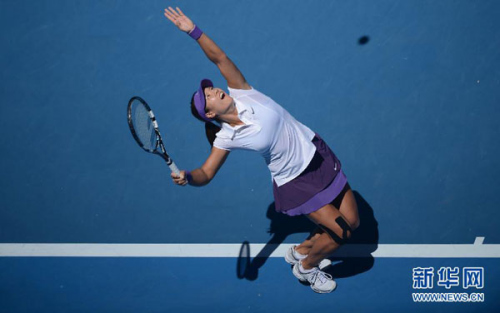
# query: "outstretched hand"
x,y
179,19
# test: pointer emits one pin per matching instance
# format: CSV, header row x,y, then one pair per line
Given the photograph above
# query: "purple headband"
x,y
199,99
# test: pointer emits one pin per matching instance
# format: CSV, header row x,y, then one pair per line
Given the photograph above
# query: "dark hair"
x,y
211,129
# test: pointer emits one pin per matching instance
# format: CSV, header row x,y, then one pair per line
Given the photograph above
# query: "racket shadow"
x,y
363,242
280,228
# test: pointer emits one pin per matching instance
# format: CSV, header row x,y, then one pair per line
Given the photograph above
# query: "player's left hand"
x,y
179,19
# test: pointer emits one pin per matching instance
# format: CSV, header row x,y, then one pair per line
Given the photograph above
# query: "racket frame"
x,y
159,141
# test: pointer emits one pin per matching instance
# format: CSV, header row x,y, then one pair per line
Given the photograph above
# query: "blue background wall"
x,y
412,114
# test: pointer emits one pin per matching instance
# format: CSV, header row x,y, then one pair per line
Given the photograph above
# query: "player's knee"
x,y
355,224
344,235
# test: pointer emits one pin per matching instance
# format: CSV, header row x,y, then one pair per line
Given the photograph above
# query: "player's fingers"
x,y
171,19
179,10
169,15
173,12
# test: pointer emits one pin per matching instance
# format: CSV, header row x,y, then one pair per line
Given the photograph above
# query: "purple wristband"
x,y
195,33
189,177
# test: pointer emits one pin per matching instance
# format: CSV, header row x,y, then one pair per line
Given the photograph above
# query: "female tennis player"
x,y
307,176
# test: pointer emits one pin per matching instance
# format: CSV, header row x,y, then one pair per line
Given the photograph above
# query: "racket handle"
x,y
174,168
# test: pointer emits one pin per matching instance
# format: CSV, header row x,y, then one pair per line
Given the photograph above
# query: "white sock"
x,y
303,270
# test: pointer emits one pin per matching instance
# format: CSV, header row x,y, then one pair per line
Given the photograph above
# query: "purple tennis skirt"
x,y
319,184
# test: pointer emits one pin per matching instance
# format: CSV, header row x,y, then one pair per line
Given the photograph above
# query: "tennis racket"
x,y
144,128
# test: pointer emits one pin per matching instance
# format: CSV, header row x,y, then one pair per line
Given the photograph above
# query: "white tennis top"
x,y
285,143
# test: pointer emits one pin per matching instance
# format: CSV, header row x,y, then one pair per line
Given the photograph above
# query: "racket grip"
x,y
174,168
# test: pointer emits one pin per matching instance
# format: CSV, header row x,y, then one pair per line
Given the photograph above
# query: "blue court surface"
x,y
407,94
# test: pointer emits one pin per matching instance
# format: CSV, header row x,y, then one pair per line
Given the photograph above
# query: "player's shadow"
x,y
353,259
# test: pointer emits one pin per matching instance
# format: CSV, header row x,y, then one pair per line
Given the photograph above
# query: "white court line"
x,y
476,250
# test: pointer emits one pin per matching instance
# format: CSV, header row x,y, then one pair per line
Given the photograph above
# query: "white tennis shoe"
x,y
320,281
293,257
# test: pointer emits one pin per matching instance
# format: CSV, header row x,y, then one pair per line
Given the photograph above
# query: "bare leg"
x,y
307,244
323,245
346,203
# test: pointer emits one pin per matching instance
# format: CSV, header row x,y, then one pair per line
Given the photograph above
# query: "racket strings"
x,y
143,126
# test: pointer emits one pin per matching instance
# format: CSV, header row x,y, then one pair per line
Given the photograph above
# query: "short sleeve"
x,y
221,144
240,92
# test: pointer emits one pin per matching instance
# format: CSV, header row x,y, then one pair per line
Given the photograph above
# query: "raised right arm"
x,y
227,68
